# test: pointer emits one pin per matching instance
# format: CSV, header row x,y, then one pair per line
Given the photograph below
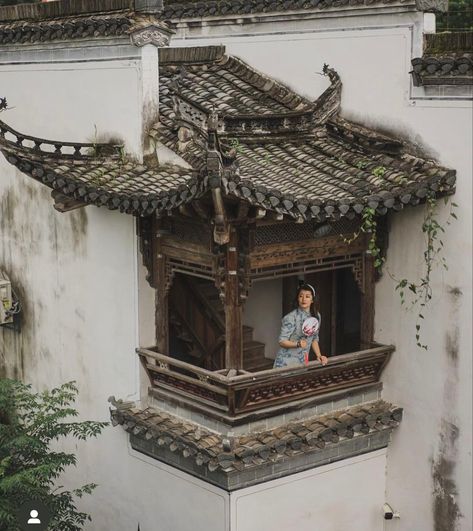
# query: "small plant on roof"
x,y
29,468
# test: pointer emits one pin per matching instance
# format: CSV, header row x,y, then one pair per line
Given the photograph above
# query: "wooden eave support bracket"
x,y
214,169
63,203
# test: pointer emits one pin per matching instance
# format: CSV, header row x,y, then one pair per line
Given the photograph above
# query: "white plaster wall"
x,y
140,490
372,54
76,275
81,102
263,311
328,498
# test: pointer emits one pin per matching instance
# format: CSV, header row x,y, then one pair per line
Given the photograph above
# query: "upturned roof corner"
x,y
275,150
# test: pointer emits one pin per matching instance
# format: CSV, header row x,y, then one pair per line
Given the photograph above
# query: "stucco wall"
x,y
329,498
429,461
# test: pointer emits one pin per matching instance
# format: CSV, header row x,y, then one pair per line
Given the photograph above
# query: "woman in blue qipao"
x,y
298,334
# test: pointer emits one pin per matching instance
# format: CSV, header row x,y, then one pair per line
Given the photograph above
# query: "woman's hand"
x,y
303,343
323,360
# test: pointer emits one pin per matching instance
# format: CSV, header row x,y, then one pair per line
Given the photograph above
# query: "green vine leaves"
x,y
414,294
420,291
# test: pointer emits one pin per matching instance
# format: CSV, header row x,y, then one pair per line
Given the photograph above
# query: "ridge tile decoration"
x,y
83,19
195,9
224,460
271,148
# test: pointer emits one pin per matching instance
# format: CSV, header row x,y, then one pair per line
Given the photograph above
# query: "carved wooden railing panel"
x,y
185,379
238,392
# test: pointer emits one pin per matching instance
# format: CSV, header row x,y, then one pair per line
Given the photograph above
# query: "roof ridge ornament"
x,y
327,105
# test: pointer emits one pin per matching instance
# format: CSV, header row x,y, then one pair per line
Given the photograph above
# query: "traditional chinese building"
x,y
221,188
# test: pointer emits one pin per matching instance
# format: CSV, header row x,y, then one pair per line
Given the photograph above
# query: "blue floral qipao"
x,y
291,329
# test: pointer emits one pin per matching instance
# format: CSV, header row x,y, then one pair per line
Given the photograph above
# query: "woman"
x,y
296,337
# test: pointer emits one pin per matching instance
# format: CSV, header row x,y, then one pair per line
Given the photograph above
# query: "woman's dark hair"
x,y
304,286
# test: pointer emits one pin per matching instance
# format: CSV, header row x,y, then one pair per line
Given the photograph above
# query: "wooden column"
x,y
161,301
233,308
367,302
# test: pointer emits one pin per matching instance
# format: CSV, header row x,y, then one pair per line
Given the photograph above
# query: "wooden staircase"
x,y
207,347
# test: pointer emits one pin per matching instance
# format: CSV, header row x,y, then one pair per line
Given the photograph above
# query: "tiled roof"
x,y
78,27
444,69
214,451
195,9
127,186
274,149
81,19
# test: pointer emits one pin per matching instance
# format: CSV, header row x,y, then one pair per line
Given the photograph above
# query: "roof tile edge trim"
x,y
213,9
215,451
63,8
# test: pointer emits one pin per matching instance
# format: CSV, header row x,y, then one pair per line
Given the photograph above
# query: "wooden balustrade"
x,y
54,148
234,392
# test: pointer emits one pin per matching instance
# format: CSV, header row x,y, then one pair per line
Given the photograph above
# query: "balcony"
x,y
233,395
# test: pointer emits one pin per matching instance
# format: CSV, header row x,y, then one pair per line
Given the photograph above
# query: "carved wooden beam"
x,y
221,227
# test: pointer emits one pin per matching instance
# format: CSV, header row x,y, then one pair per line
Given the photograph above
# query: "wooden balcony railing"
x,y
231,393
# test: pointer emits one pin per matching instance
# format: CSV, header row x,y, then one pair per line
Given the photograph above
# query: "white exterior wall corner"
x,y
429,460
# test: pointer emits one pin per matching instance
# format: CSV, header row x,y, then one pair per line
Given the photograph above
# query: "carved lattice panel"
x,y
314,383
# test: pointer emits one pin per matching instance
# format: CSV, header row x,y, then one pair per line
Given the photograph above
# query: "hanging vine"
x,y
420,290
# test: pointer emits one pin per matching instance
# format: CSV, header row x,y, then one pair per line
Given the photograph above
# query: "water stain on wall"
x,y
446,510
33,234
452,340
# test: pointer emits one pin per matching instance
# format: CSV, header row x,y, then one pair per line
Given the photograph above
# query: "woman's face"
x,y
305,299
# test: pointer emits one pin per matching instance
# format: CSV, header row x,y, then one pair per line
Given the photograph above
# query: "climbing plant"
x,y
419,291
415,294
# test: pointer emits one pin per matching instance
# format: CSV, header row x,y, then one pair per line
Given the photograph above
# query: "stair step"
x,y
262,365
247,334
251,346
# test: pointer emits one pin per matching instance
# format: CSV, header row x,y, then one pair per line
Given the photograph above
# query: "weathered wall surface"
x,y
329,498
78,277
429,461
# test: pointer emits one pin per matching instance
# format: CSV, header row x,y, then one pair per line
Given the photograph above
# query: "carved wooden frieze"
x,y
313,384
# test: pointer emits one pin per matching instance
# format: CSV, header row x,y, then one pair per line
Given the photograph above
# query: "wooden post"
x,y
161,301
367,303
233,309
333,316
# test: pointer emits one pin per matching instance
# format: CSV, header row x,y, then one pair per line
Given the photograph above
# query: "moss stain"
x,y
445,508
